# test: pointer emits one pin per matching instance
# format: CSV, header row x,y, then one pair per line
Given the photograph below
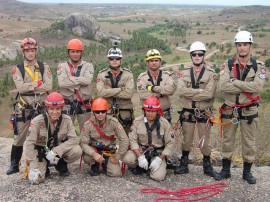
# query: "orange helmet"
x,y
100,104
75,44
28,43
152,103
54,99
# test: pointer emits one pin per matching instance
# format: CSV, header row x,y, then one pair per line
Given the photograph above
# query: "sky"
x,y
184,2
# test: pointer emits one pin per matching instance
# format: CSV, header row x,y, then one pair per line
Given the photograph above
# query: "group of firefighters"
x,y
110,137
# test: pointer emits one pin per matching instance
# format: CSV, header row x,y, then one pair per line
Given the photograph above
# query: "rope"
x,y
211,190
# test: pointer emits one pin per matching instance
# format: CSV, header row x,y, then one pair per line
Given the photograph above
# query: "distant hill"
x,y
246,10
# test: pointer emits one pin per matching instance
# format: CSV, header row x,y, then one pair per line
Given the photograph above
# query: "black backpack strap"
x,y
149,129
78,72
159,79
230,63
117,79
41,68
254,64
196,84
51,137
22,70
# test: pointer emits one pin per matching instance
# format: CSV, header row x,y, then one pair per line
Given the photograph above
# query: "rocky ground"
x,y
80,186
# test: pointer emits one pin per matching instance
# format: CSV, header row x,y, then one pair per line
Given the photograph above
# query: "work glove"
x,y
33,176
52,157
155,164
149,88
143,163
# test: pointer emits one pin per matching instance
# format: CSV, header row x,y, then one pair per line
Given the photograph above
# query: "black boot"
x,y
137,170
62,168
48,172
225,172
16,154
95,171
207,167
247,174
183,167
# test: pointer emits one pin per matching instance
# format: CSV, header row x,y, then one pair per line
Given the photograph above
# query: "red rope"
x,y
211,190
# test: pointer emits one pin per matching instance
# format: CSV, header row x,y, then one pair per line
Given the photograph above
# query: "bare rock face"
x,y
9,52
81,24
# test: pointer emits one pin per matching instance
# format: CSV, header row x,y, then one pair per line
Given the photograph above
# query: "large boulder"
x,y
81,24
10,52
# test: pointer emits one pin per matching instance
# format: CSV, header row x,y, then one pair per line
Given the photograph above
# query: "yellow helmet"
x,y
151,54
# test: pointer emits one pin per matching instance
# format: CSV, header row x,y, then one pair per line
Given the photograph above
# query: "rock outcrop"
x,y
81,24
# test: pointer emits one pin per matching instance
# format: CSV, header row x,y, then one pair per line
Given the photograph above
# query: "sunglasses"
x,y
197,54
100,112
111,59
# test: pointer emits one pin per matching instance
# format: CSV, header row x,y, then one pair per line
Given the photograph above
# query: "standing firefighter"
x,y
32,79
75,77
98,141
116,85
151,140
196,86
51,140
241,79
156,82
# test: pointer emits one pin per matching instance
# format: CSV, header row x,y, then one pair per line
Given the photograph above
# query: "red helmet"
x,y
152,103
100,104
28,43
75,44
54,99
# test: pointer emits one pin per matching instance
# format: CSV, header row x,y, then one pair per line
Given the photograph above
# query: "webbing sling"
x,y
77,75
245,73
114,84
53,137
149,129
159,79
37,70
196,84
100,132
22,70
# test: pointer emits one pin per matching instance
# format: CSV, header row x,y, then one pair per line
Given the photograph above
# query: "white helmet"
x,y
243,36
115,52
197,46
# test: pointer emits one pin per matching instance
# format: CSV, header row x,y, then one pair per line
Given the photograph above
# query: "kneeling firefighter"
x,y
98,141
51,141
151,140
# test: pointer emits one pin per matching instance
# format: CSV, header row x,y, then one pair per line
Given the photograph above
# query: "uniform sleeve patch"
x,y
263,70
49,73
31,125
14,71
83,129
120,127
222,72
98,79
262,76
222,67
214,77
